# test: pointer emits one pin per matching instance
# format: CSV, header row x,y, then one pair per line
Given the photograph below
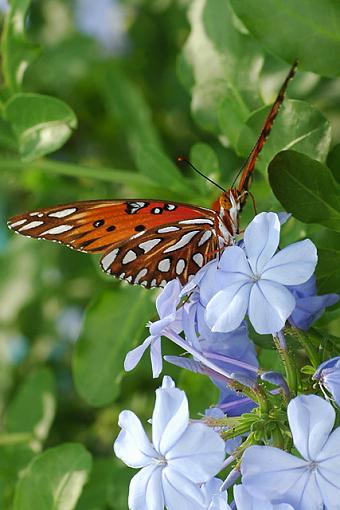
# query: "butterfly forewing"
x,y
176,250
133,234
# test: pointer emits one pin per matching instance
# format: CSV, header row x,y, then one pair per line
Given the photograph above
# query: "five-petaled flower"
x,y
308,483
182,455
254,279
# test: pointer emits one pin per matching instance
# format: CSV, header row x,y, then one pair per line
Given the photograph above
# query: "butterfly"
x,y
150,242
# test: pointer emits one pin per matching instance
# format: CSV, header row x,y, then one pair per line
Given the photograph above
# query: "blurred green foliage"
x,y
97,100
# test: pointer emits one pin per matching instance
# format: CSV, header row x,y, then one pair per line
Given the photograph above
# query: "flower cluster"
x,y
251,436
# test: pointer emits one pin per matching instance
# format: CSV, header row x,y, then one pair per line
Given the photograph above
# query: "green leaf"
x,y
54,479
153,164
33,407
306,188
16,51
327,272
113,324
333,162
126,103
201,392
41,124
13,459
108,486
294,29
224,65
204,158
299,126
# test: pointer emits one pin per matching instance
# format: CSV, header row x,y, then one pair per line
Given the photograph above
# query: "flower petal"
x,y
168,300
276,475
226,310
180,492
232,267
132,445
261,240
134,356
146,490
310,308
329,469
311,419
246,501
170,418
156,357
270,305
293,265
198,454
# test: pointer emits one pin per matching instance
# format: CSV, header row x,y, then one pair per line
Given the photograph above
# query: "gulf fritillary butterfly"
x,y
149,242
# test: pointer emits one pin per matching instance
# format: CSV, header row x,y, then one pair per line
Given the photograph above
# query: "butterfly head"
x,y
228,206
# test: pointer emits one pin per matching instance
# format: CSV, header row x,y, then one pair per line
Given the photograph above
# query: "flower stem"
x,y
287,361
306,342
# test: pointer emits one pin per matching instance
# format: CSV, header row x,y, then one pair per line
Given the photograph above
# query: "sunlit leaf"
x,y
16,51
224,65
54,479
33,407
306,188
293,29
13,459
299,126
113,324
41,124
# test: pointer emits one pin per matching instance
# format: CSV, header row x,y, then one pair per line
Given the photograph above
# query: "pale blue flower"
x,y
254,280
215,498
170,320
328,376
181,457
245,501
309,307
311,482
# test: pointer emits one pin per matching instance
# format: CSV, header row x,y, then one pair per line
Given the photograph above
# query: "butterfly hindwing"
x,y
154,257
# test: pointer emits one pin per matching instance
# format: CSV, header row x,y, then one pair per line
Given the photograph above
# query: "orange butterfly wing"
x,y
119,228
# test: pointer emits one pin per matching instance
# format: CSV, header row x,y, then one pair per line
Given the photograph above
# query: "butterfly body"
x,y
149,242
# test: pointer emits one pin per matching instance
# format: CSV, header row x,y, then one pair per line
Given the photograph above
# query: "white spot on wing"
x,y
165,230
164,265
129,257
63,213
60,229
37,213
198,259
180,266
163,283
109,258
129,279
153,283
140,275
30,225
197,221
122,276
205,237
148,245
184,240
17,223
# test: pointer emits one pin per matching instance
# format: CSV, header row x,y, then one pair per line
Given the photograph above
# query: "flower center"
x,y
161,460
313,466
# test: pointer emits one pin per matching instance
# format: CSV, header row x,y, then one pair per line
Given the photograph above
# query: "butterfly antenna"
x,y
248,167
182,159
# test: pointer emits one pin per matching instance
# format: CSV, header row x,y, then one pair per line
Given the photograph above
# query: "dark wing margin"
x,y
153,258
